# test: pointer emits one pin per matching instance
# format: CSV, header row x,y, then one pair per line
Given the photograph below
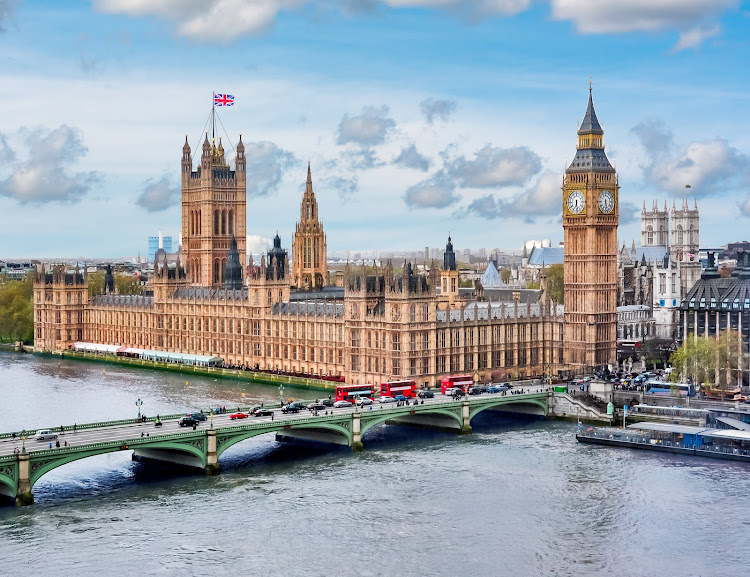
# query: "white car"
x,y
339,404
362,401
45,435
387,399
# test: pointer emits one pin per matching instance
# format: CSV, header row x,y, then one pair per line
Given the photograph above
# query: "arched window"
x,y
200,221
679,234
216,222
216,270
650,235
223,222
223,269
231,222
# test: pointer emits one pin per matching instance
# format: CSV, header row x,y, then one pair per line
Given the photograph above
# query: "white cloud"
x,y
368,128
710,167
544,198
433,108
605,17
223,20
44,177
159,194
361,158
745,206
411,158
694,37
257,244
7,7
495,167
438,191
345,187
266,164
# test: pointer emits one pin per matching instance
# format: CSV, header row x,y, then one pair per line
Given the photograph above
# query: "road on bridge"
x,y
129,431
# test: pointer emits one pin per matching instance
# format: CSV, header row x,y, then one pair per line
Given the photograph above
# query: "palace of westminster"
x,y
367,326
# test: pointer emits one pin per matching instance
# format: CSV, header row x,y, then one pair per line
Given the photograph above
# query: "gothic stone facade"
x,y
375,328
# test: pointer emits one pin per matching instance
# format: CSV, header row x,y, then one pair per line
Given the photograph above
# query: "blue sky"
x,y
419,116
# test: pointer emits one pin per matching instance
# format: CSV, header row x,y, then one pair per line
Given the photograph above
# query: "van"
x,y
45,435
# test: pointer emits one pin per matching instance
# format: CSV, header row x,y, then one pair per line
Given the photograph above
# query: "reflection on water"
x,y
518,497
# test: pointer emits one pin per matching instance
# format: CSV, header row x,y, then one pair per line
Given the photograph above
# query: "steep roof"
x,y
590,124
491,278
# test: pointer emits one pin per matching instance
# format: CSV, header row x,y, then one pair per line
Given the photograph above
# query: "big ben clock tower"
x,y
590,215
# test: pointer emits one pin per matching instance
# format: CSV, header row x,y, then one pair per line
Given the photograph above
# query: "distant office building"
x,y
157,242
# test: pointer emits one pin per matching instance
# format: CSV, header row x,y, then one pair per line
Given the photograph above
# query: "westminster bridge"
x,y
24,460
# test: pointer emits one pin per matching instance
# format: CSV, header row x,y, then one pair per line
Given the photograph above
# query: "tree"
x,y
505,275
96,283
713,361
657,351
127,285
532,284
17,311
556,283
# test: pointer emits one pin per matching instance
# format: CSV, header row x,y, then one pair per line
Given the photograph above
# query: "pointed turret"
x,y
590,150
308,185
590,124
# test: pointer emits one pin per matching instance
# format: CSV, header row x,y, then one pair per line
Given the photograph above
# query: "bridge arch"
x,y
42,464
237,437
8,480
370,423
537,406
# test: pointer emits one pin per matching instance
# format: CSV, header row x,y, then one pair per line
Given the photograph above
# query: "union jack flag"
x,y
223,99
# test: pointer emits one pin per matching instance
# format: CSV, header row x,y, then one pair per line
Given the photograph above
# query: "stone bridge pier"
x,y
357,432
212,459
466,416
24,496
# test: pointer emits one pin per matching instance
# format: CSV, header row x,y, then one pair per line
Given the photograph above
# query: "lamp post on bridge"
x,y
281,394
139,404
23,442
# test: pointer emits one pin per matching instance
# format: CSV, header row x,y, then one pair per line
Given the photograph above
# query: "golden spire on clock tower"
x,y
590,216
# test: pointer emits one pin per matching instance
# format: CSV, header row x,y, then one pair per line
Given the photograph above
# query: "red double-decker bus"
x,y
462,382
394,388
353,392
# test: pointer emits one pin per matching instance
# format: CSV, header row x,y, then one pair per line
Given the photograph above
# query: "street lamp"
x,y
139,404
211,412
281,393
23,441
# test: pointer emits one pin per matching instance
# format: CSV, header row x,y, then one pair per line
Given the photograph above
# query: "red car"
x,y
238,416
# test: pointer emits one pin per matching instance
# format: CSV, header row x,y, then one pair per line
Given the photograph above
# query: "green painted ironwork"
x,y
195,442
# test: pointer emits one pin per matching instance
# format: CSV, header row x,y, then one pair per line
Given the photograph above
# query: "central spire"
x,y
590,124
590,153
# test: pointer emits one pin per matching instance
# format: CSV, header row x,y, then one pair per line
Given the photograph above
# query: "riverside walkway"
x,y
24,460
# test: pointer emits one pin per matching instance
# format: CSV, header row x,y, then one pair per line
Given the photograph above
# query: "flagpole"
x,y
213,119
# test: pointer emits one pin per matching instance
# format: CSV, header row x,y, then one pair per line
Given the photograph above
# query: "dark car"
x,y
426,395
262,412
316,406
475,390
327,402
292,408
198,416
188,422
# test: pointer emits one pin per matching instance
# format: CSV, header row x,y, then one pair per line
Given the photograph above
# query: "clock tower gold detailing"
x,y
590,217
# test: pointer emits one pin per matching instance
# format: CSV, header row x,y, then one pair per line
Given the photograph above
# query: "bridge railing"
x,y
115,423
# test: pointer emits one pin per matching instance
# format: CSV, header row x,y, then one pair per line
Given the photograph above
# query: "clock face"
x,y
606,202
576,202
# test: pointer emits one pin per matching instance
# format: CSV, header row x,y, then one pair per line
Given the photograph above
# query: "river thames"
x,y
518,497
